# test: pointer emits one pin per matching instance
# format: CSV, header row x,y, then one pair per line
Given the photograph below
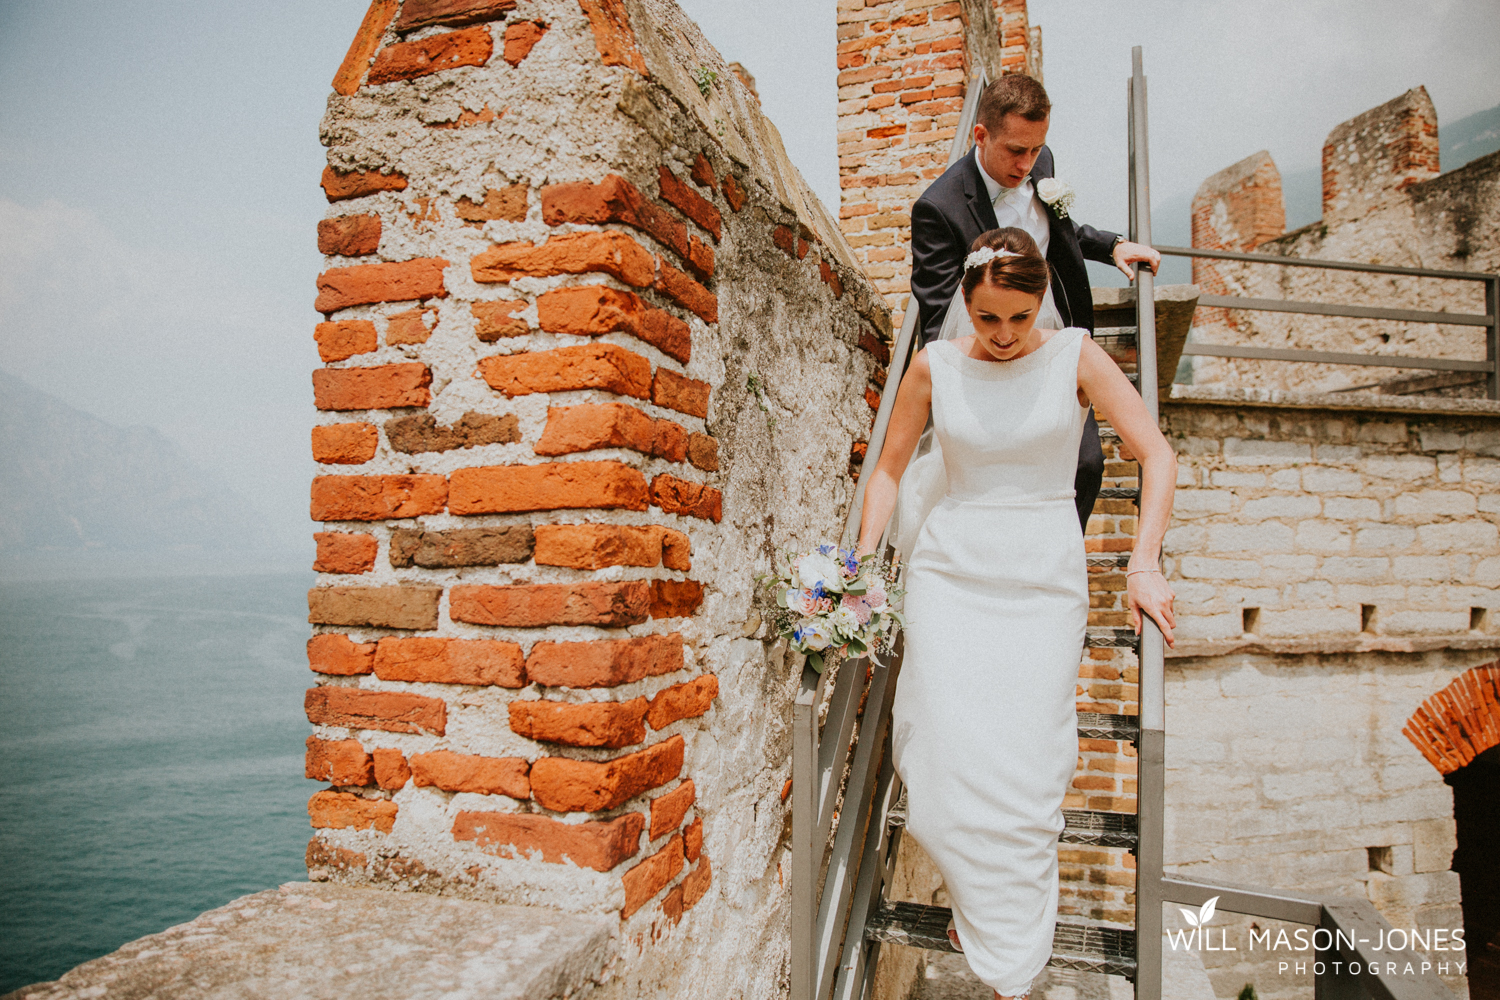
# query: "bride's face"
x,y
1003,319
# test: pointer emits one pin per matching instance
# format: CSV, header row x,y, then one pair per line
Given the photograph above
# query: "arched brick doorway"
x,y
1458,731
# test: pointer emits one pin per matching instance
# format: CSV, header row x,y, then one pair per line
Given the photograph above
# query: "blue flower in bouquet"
x,y
851,564
814,635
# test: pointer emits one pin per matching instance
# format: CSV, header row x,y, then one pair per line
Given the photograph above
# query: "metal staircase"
x,y
849,809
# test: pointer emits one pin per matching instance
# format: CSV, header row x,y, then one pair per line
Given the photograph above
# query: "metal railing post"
x,y
1150,758
806,847
1492,339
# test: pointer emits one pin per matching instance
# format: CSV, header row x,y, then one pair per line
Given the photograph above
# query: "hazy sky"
x,y
159,164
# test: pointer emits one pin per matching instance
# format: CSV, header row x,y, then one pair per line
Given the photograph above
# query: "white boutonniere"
x,y
1057,194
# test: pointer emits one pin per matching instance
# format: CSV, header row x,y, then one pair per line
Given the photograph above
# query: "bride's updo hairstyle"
x,y
1021,266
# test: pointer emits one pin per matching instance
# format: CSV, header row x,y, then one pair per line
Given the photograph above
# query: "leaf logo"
x,y
1203,916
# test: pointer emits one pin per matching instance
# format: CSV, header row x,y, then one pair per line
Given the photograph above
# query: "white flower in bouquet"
x,y
845,619
1058,194
831,604
819,573
816,635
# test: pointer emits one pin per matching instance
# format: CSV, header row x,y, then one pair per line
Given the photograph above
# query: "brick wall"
x,y
1383,202
903,72
590,354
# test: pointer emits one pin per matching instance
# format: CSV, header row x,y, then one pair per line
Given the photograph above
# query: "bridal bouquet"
x,y
834,603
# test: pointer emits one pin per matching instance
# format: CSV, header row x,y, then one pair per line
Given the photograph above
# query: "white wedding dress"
x,y
984,724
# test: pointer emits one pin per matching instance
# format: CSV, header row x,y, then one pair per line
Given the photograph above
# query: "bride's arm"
x,y
1116,399
908,420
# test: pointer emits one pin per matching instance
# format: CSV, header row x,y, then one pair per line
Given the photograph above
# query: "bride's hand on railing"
x,y
1147,590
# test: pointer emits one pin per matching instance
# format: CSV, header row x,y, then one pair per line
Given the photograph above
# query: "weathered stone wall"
x,y
1335,560
904,67
594,351
1383,202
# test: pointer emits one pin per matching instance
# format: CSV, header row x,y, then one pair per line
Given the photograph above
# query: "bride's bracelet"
x,y
1134,571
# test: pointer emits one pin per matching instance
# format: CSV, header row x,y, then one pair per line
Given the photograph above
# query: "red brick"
x,y
409,327
696,884
499,489
588,366
687,292
600,845
882,351
607,252
426,13
679,496
614,199
613,36
606,663
338,341
733,193
345,810
872,399
831,278
595,546
392,711
381,387
595,309
683,701
611,605
885,131
376,498
690,202
703,173
366,40
344,444
675,598
692,837
678,392
493,320
671,904
321,854
669,441
451,661
408,607
520,37
589,426
676,551
612,724
340,552
700,258
450,50
651,876
391,770
341,186
349,235
338,762
668,810
703,452
508,203
331,653
784,238
566,785
362,284
459,772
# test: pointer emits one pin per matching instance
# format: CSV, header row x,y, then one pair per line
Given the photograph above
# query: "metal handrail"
x,y
1489,319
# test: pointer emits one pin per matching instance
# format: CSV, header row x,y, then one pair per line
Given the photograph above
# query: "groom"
x,y
996,186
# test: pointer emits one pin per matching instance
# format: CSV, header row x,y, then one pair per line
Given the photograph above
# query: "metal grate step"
x,y
1101,829
1099,726
1083,947
1114,637
1120,493
1109,559
1116,333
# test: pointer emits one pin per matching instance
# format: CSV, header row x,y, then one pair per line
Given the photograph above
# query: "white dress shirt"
x,y
1020,207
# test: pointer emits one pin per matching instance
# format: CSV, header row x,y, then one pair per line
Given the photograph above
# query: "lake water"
x,y
152,750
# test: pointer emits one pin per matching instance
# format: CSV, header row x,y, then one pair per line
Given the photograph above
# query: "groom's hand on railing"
x,y
1127,253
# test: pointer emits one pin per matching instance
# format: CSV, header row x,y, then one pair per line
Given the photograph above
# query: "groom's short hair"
x,y
1012,94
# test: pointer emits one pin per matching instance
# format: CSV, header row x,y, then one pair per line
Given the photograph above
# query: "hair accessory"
x,y
984,255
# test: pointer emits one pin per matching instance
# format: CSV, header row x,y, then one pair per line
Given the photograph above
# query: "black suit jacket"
x,y
955,209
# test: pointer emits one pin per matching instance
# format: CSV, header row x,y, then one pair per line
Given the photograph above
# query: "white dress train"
x,y
984,723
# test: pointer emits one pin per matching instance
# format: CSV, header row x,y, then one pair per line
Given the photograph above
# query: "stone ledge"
x,y
329,942
1344,644
1346,401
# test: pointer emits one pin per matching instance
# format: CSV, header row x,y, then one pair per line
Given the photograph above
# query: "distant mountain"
x,y
76,490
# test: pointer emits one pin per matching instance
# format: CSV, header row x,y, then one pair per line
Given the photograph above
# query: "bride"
x,y
984,724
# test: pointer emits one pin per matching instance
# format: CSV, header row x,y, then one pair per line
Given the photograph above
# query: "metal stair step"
x,y
1109,559
1083,947
1099,726
1116,332
1112,637
1120,493
1099,828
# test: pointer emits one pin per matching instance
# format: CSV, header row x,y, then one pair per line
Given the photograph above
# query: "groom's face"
x,y
1009,152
